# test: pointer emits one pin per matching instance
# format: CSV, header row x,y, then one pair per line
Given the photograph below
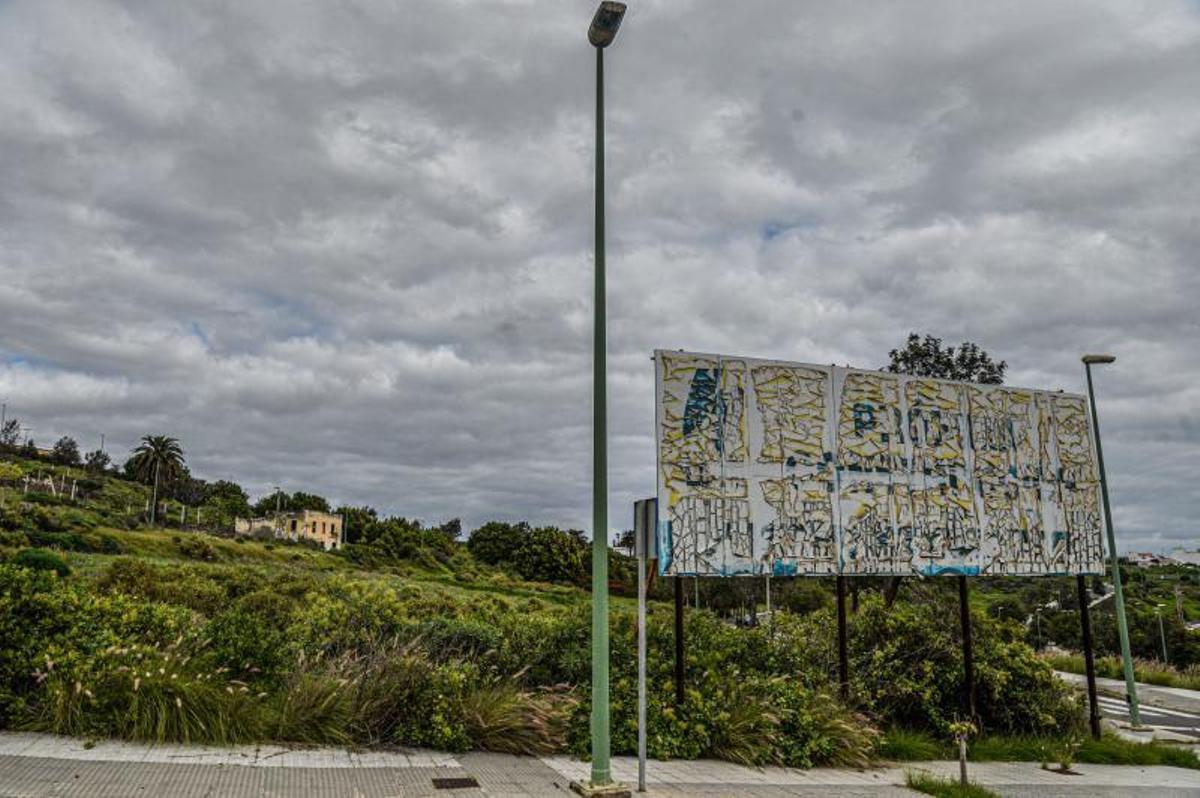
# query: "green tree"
x,y
157,458
928,358
97,461
357,521
65,451
307,501
276,501
497,542
10,433
225,501
282,502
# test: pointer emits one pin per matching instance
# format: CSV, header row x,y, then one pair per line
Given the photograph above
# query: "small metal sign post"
x,y
645,519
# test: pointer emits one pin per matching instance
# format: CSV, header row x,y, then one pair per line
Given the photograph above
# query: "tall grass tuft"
x,y
909,745
746,731
314,706
502,717
145,693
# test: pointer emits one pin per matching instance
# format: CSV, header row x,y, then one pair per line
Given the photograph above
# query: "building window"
x,y
293,524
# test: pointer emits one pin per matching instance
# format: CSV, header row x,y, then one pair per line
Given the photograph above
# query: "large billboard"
x,y
790,468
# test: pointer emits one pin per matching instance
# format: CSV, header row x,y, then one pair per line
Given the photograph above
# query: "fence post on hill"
x,y
678,641
964,610
843,657
1085,622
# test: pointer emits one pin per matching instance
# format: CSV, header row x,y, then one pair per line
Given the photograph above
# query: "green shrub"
x,y
247,643
14,540
196,548
42,560
458,638
401,696
46,619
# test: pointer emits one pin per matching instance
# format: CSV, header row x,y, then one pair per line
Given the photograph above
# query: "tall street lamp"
x,y
1161,632
1119,597
601,33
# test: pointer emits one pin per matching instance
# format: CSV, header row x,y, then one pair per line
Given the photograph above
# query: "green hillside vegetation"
x,y
411,636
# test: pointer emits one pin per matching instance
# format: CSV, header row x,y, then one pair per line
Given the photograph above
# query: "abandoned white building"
x,y
323,528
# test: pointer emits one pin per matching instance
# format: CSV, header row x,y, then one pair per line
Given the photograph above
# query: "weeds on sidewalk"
x,y
944,788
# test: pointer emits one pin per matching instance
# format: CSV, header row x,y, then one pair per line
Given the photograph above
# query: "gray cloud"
x,y
348,248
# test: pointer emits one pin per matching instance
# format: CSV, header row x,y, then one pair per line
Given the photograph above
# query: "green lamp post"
x,y
600,34
1119,597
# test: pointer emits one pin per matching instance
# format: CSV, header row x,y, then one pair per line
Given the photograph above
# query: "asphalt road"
x,y
1172,720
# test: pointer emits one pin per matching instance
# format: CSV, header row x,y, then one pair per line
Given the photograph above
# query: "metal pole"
x,y
601,771
640,542
154,509
678,641
843,657
964,610
1162,634
1122,626
1089,662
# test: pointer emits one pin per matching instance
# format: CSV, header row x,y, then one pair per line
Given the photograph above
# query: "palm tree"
x,y
157,456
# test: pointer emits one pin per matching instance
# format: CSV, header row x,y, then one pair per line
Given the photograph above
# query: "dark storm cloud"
x,y
347,248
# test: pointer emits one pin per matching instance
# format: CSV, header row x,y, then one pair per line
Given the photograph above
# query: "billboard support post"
x,y
964,611
645,518
843,658
678,641
1089,661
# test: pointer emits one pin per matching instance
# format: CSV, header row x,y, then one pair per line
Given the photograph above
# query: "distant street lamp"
x,y
601,33
1037,614
1119,597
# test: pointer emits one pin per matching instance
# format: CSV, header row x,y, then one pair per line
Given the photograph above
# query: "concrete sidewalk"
x,y
1167,697
43,765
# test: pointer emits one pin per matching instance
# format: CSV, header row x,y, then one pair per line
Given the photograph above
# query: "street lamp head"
x,y
605,24
1090,359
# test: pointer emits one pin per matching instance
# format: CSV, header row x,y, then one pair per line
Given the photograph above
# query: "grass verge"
x,y
903,745
1146,671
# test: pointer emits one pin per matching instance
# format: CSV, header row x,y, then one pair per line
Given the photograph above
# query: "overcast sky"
x,y
346,247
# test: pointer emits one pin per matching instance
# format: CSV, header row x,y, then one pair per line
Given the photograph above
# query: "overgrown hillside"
x,y
409,637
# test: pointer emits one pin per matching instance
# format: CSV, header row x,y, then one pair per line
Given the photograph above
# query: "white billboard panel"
x,y
790,468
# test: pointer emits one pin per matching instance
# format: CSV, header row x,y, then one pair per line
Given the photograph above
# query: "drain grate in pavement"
x,y
454,783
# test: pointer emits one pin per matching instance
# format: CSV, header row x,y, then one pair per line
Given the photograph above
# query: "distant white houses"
x,y
323,528
1146,559
1186,557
